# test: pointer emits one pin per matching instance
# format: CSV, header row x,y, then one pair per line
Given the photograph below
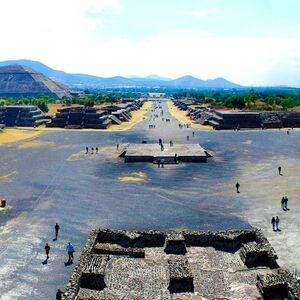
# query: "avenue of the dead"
x,y
50,179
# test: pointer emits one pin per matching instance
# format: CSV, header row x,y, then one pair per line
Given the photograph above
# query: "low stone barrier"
x,y
181,277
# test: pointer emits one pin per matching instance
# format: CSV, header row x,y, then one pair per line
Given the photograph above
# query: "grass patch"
x,y
36,144
13,135
8,177
133,177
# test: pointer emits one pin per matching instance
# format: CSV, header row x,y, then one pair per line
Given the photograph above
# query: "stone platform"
x,y
170,155
233,264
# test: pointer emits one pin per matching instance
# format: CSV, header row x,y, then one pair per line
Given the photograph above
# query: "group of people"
x,y
184,125
188,137
275,223
284,203
92,150
70,250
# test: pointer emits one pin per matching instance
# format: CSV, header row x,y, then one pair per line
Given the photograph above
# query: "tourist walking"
x,y
117,147
237,185
47,249
96,150
87,150
282,202
56,227
279,170
70,251
277,222
188,138
59,294
92,150
273,222
193,133
286,199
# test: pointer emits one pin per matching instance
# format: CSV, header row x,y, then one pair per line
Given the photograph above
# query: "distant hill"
x,y
90,81
21,81
193,82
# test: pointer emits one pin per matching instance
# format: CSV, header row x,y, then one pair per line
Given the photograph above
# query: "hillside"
x,y
90,81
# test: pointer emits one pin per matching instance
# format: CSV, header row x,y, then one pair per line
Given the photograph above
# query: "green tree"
x,y
42,105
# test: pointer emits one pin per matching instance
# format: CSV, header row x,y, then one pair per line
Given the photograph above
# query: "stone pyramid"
x,y
20,81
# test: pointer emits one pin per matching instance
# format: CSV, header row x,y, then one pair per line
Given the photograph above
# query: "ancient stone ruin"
x,y
21,115
20,81
233,264
158,154
80,117
229,119
91,117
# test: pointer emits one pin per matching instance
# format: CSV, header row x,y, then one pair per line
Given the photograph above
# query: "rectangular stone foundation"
x,y
211,267
175,154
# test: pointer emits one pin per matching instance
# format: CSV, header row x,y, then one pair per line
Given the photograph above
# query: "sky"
x,y
249,42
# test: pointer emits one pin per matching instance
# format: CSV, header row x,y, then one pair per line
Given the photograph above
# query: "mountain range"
x,y
90,81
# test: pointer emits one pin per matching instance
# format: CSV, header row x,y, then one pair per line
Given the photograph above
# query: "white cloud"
x,y
64,35
202,13
245,61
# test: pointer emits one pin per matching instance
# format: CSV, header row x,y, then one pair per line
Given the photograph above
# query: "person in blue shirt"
x,y
70,251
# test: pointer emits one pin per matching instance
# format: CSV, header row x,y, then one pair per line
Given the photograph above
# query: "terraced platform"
x,y
153,153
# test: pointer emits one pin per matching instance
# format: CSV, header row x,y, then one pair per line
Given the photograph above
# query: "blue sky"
x,y
250,42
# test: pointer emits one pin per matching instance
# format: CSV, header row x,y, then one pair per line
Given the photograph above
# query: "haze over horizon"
x,y
247,42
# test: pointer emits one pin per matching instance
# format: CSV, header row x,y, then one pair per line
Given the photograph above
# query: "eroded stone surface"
x,y
204,272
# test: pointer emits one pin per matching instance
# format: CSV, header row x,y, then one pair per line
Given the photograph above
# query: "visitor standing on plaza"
x,y
59,294
87,150
273,222
70,250
237,185
286,199
56,227
282,202
279,170
47,249
277,222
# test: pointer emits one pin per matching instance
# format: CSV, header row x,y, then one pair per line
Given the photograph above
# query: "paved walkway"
x,y
53,181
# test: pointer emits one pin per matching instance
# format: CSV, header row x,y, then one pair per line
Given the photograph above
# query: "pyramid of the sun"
x,y
20,81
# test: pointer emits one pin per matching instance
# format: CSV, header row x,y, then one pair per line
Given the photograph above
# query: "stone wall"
x,y
107,259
